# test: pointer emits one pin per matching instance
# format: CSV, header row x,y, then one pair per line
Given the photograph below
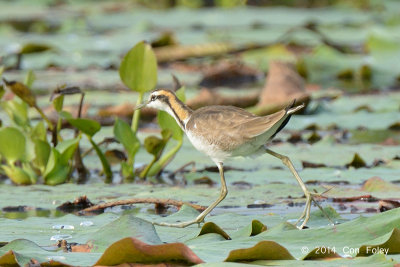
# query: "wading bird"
x,y
223,132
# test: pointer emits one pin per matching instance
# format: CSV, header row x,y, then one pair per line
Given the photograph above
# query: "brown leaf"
x,y
357,162
395,126
307,164
390,142
115,156
207,97
376,183
22,91
123,110
204,180
315,137
230,74
132,250
263,250
283,84
210,227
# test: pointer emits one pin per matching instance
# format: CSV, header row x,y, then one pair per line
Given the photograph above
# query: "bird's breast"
x,y
211,149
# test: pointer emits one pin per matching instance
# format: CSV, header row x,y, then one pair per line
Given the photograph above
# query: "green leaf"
x,y
12,144
87,126
17,110
39,132
167,122
58,103
30,48
17,175
138,70
42,154
2,91
124,134
56,171
67,149
103,159
30,78
154,145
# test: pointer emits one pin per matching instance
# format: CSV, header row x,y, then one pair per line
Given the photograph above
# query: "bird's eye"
x,y
153,98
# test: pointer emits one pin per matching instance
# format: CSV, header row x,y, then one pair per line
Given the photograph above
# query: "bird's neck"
x,y
179,111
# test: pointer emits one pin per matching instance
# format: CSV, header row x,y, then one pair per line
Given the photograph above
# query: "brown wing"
x,y
229,126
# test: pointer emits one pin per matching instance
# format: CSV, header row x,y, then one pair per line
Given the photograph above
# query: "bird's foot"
x,y
182,224
305,216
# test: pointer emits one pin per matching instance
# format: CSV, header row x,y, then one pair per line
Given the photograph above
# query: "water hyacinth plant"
x,y
33,152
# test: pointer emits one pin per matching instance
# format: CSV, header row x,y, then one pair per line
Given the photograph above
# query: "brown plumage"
x,y
222,132
231,126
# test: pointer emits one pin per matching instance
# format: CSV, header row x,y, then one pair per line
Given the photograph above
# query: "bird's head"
x,y
159,99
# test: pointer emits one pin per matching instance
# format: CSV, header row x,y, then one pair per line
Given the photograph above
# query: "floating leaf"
x,y
264,250
210,227
357,162
133,250
390,246
254,228
138,70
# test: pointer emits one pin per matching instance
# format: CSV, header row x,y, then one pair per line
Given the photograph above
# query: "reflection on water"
x,y
23,214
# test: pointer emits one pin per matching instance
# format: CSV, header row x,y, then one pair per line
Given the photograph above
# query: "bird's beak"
x,y
141,105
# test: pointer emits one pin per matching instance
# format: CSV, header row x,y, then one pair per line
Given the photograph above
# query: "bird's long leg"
x,y
308,194
200,218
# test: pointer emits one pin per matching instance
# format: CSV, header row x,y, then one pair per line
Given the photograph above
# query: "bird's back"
x,y
230,129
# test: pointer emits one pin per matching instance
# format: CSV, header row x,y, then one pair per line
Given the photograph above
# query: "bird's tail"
x,y
292,108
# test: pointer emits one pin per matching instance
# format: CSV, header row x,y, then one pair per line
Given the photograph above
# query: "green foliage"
x,y
42,153
155,146
58,103
90,128
30,48
58,166
103,159
138,69
12,144
17,175
54,161
124,134
30,78
17,111
87,126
